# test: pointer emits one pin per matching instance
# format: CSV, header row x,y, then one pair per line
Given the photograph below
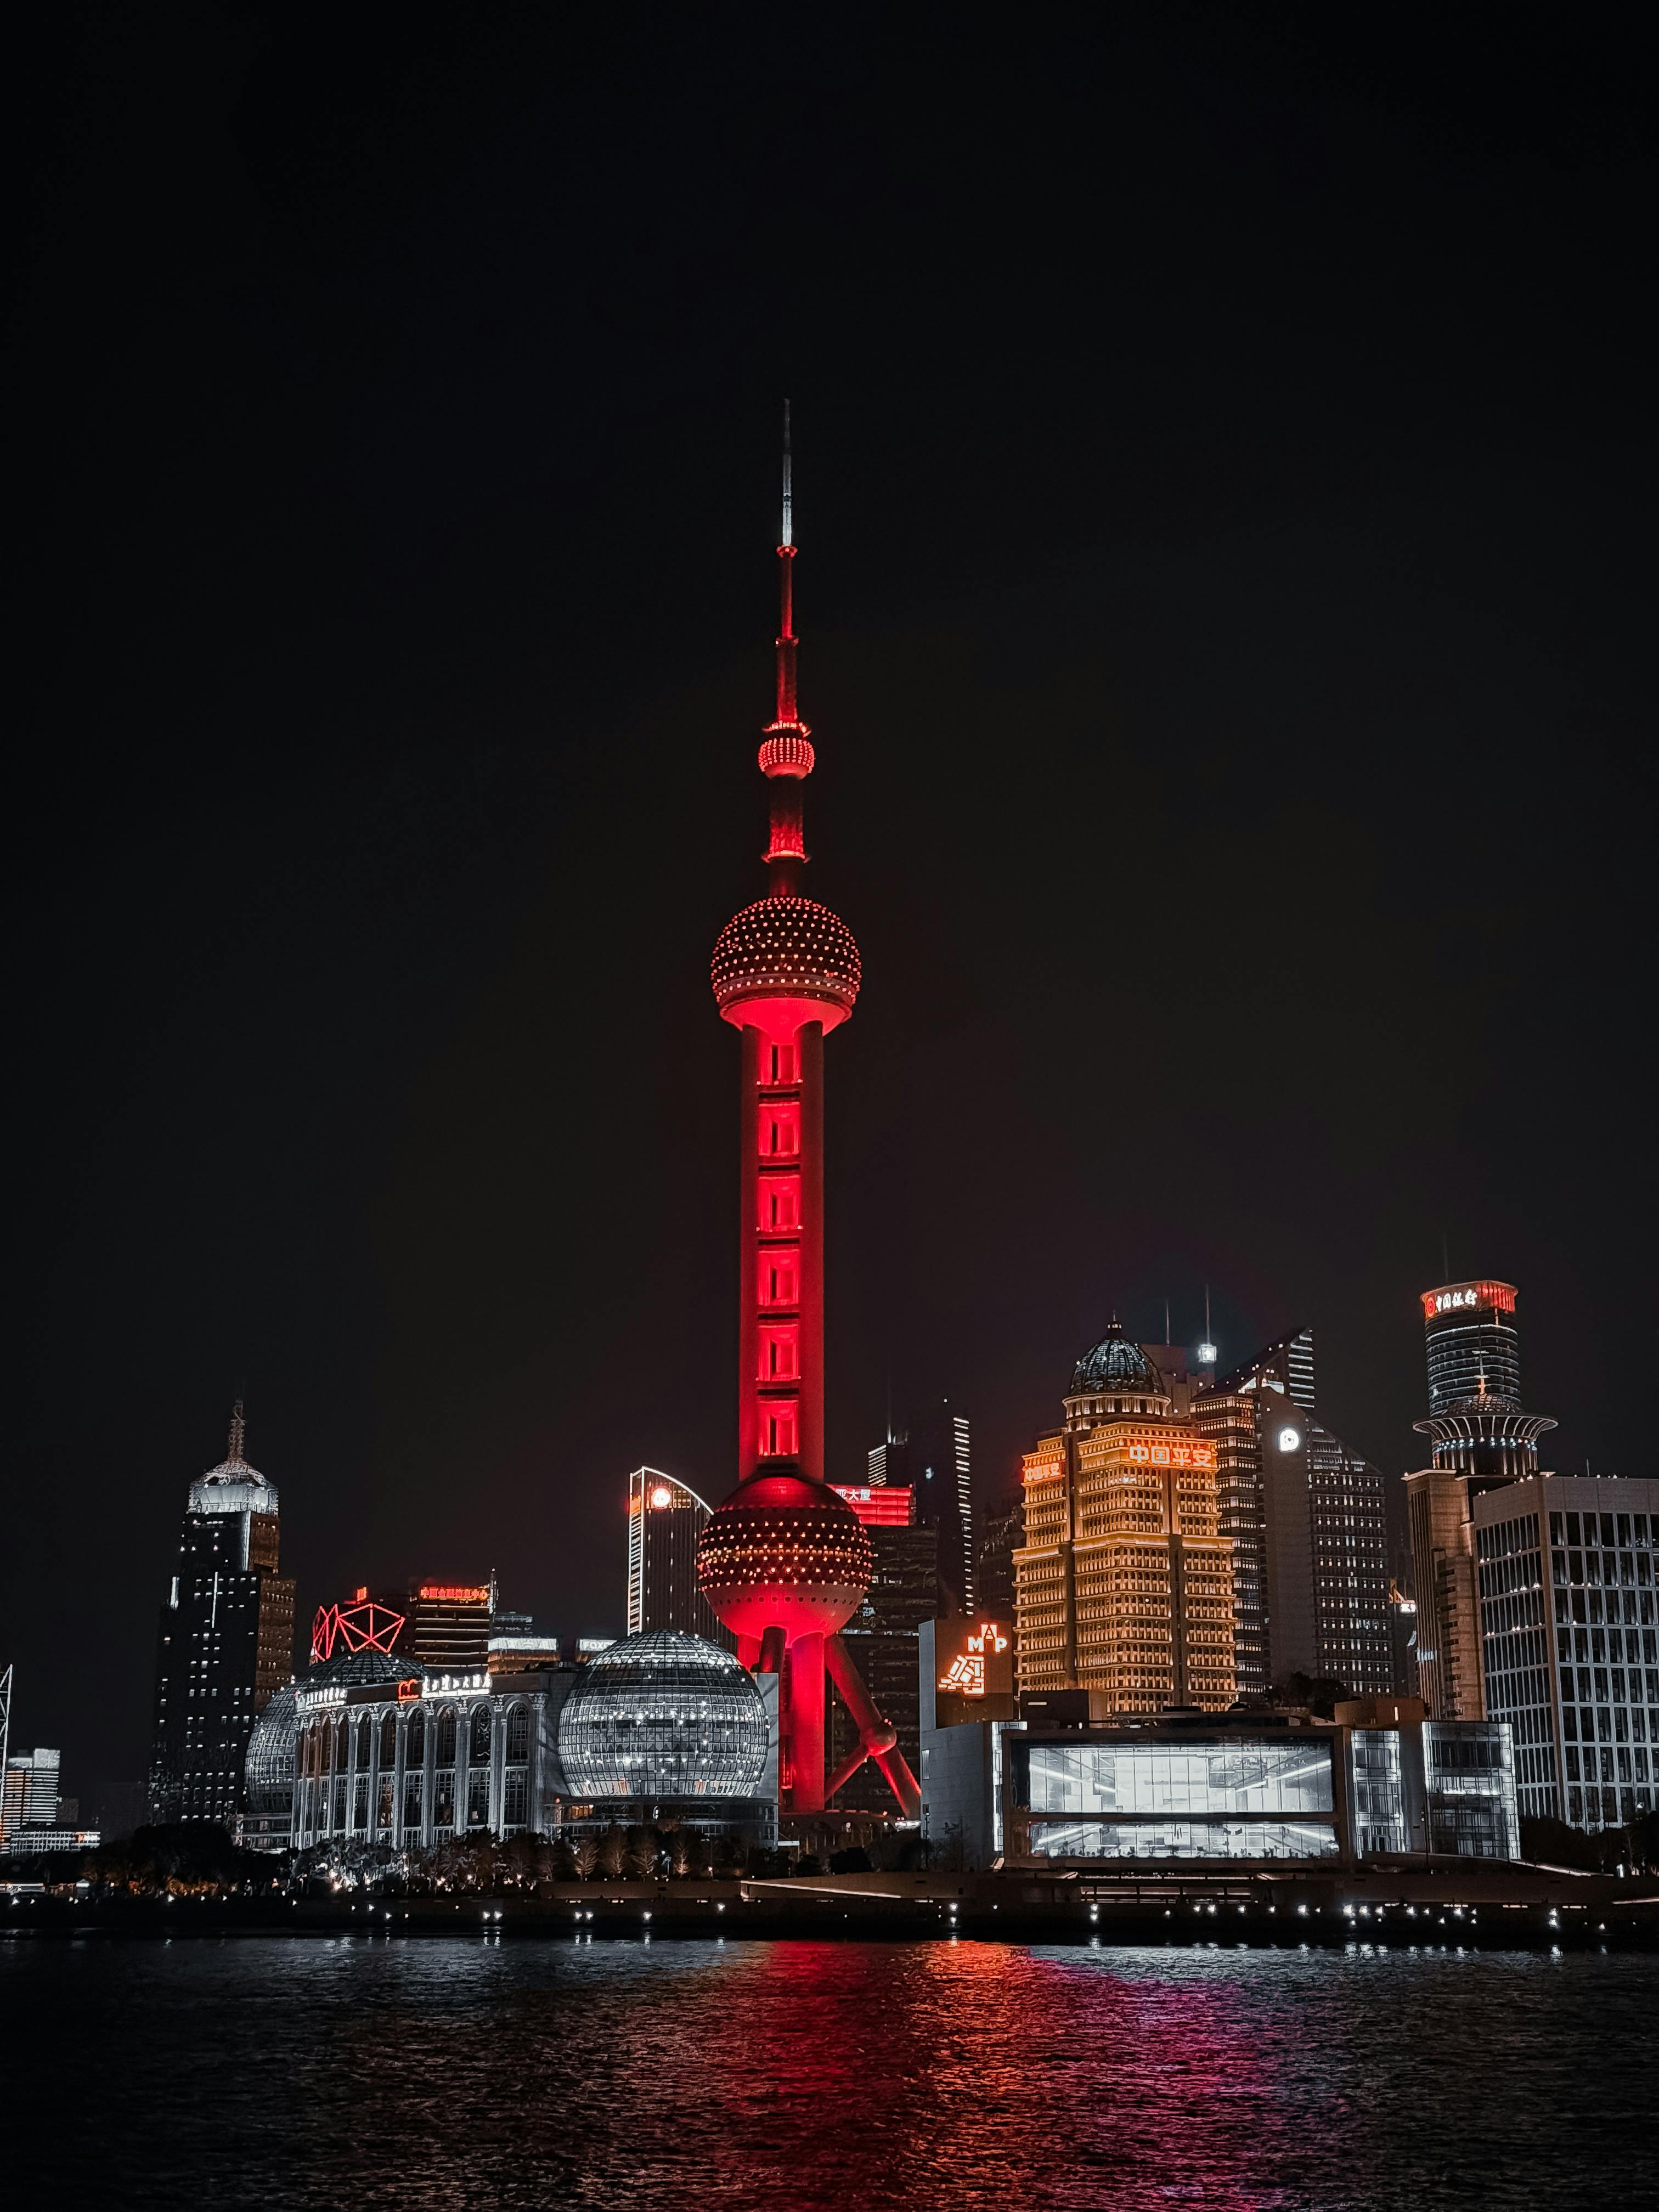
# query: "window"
x,y
779,1202
779,1130
415,1741
481,1732
478,1799
779,1431
779,1351
513,1802
779,1271
446,1752
518,1734
778,1066
388,1742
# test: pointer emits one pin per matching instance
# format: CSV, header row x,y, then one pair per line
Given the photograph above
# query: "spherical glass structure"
x,y
269,1764
664,1715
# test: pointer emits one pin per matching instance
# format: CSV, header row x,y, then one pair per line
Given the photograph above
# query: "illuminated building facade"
x,y
1380,1783
449,1625
665,1520
1567,1576
224,1644
932,1453
1308,1520
1482,1439
30,1799
390,1753
1124,1582
784,1561
666,1726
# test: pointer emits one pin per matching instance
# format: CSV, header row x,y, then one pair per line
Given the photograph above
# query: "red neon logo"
x,y
363,1627
455,1593
408,1692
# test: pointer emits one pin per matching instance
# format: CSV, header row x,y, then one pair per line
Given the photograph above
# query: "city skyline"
x,y
380,738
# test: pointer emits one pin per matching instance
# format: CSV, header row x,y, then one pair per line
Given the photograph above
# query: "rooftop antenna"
x,y
1167,1339
233,1448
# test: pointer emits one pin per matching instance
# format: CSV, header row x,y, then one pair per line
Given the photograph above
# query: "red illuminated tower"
x,y
784,1561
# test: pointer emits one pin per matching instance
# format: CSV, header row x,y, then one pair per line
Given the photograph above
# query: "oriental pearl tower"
x,y
784,1561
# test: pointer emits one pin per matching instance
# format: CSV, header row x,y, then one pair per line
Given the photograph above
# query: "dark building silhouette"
x,y
224,1643
884,1636
1308,1521
931,1454
1001,1533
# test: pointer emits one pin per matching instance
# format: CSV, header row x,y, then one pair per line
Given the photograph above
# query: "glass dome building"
x,y
268,1805
664,1725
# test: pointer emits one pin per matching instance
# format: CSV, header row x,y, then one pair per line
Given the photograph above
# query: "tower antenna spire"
x,y
786,756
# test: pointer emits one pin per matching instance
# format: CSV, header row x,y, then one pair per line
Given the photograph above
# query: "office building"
x,y
665,1520
449,1625
932,1455
1382,1782
225,1641
1480,1439
31,1792
1123,1584
1567,1571
1307,1518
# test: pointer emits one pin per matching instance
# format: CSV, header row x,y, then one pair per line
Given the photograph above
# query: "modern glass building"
x,y
665,1520
267,1823
1471,1343
1381,1782
1567,1569
664,1725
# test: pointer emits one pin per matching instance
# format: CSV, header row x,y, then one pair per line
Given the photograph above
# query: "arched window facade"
x,y
481,1731
518,1734
414,1740
446,1736
388,1742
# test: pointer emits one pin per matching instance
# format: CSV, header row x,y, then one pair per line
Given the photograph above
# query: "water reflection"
x,y
438,2076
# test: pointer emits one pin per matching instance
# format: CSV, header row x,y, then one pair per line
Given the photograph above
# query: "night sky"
x,y
1224,464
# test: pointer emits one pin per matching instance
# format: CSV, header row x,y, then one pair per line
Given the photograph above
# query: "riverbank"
x,y
1470,1903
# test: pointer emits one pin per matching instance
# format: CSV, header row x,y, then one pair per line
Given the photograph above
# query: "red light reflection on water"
x,y
964,2073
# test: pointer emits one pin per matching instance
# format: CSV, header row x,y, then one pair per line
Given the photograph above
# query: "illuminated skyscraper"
x,y
1482,1439
1124,1582
665,1520
784,1561
225,1642
1307,1519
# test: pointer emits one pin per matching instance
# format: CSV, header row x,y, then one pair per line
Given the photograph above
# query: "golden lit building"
x,y
1124,1584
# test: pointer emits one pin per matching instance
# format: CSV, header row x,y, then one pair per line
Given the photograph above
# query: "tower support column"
x,y
804,1741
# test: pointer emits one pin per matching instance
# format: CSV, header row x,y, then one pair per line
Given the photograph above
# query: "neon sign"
x,y
408,1692
1289,1439
1463,1298
965,1675
455,1593
1173,1455
661,1499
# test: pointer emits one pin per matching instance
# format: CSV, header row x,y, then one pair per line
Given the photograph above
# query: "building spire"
x,y
786,756
233,1448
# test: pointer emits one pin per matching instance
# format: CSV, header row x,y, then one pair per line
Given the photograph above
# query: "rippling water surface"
x,y
432,2075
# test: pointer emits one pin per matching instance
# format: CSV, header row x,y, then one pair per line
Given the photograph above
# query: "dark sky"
x,y
1225,469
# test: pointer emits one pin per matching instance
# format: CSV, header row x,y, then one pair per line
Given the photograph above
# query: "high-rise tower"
x,y
225,1641
784,1561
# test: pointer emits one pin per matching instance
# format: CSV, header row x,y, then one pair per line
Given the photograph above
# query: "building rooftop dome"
x,y
1115,1363
351,1670
664,1715
785,948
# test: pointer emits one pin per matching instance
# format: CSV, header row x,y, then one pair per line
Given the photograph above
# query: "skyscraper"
x,y
665,1520
1568,1577
1307,1519
1124,1582
1482,1439
784,1561
932,1453
225,1641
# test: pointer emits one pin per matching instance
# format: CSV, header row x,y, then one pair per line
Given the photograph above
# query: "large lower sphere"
x,y
784,1553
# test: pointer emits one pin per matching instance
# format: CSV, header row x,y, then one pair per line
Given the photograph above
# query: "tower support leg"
x,y
878,1737
804,1729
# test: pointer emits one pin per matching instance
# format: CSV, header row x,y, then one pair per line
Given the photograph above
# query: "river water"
x,y
440,2074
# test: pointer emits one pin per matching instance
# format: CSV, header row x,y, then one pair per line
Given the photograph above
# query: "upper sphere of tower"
x,y
785,948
